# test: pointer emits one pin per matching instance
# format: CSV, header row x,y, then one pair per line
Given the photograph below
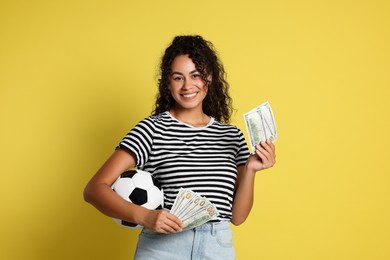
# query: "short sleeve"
x,y
139,140
243,151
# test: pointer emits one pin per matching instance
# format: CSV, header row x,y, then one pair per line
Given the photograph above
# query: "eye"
x,y
196,76
177,78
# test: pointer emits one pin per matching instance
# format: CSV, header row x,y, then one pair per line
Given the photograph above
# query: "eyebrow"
x,y
191,72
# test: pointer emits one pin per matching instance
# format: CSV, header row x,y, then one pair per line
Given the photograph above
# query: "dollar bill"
x,y
178,201
200,218
193,209
200,205
260,124
186,204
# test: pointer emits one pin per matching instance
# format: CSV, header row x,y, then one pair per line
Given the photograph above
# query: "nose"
x,y
186,83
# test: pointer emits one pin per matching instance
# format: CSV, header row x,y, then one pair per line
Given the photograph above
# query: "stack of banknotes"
x,y
260,124
192,209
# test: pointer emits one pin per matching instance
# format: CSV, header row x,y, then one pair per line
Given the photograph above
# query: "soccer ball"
x,y
141,188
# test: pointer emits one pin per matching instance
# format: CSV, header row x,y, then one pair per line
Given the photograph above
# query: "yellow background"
x,y
75,76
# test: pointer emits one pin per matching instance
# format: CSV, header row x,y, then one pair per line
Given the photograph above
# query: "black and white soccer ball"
x,y
141,188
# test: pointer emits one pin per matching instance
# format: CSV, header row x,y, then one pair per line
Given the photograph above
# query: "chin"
x,y
187,106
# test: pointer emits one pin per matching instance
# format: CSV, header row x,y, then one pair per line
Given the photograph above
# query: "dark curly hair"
x,y
217,102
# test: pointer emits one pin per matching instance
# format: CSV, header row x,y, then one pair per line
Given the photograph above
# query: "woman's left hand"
x,y
263,158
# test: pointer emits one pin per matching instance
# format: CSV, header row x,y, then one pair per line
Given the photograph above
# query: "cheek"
x,y
172,90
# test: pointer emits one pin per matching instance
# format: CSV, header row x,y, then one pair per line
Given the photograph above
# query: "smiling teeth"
x,y
189,95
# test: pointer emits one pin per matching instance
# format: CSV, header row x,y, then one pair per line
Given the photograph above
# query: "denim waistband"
x,y
213,226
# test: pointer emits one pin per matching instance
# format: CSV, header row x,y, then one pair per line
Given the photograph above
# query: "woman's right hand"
x,y
162,221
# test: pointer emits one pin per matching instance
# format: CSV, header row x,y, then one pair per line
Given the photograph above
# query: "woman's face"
x,y
186,84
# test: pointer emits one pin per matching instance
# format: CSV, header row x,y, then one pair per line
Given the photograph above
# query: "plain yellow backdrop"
x,y
75,76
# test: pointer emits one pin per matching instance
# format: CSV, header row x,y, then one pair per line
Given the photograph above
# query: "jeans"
x,y
209,241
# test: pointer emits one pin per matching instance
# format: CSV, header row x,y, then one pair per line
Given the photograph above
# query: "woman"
x,y
188,143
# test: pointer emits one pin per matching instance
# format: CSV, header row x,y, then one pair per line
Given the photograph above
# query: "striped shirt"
x,y
203,159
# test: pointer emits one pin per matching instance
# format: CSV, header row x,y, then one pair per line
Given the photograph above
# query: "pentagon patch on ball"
x,y
141,188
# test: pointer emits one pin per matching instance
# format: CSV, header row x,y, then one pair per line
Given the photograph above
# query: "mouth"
x,y
189,95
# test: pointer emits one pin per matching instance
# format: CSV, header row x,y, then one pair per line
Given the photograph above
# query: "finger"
x,y
266,157
270,143
269,146
261,153
170,229
158,219
167,229
170,222
262,148
167,226
174,223
266,145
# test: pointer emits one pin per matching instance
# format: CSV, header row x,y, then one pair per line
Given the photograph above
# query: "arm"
x,y
244,189
98,192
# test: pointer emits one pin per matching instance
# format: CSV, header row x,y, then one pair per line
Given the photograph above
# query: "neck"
x,y
195,118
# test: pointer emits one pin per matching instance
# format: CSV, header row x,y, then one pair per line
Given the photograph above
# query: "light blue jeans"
x,y
209,241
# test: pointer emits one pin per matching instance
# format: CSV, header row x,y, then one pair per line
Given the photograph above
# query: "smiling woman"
x,y
186,143
188,89
203,62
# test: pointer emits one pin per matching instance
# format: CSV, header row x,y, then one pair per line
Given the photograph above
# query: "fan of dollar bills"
x,y
260,124
192,209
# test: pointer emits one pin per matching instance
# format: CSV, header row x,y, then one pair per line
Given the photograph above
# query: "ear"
x,y
209,78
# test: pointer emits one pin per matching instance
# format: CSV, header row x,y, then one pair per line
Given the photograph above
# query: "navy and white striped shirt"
x,y
203,159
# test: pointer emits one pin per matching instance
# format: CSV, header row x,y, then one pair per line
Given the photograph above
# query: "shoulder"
x,y
159,119
155,119
225,127
158,122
